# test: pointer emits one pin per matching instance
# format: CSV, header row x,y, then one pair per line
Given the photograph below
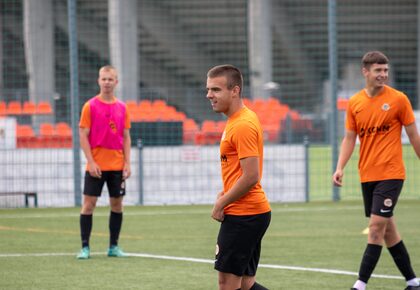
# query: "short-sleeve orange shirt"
x,y
242,138
378,123
107,159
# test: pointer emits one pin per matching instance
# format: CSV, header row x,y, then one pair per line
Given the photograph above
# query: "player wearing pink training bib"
x,y
105,141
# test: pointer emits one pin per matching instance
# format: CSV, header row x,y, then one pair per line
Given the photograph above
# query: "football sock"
x,y
413,282
257,286
402,260
85,228
115,222
359,285
369,261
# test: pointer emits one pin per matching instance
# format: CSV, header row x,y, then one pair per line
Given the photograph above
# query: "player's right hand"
x,y
94,170
338,178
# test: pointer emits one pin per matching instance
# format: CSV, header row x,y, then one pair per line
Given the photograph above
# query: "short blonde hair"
x,y
108,68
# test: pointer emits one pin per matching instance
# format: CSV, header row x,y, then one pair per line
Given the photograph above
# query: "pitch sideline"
x,y
208,261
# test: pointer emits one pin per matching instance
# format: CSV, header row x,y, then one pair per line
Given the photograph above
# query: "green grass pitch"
x,y
38,248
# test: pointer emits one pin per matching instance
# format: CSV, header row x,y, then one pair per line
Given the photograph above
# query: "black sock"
x,y
402,260
85,228
369,261
257,286
115,222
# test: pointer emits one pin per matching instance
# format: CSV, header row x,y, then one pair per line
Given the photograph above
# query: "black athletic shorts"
x,y
239,243
380,197
114,182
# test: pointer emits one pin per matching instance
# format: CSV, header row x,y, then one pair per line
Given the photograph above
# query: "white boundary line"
x,y
148,212
207,261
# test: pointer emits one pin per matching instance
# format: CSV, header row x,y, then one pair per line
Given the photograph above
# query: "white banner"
x,y
7,133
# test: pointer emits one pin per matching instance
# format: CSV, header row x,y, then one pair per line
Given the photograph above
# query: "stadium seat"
x,y
211,132
63,135
25,137
145,106
29,108
190,130
46,129
131,105
47,136
342,104
14,108
44,108
63,129
2,108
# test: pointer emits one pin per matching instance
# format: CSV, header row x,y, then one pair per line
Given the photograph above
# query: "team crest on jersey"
x,y
388,202
386,107
113,126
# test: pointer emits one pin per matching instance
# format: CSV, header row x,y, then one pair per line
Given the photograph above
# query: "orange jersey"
x,y
378,123
242,137
107,159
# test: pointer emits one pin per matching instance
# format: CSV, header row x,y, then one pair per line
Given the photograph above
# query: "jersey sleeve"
x,y
350,120
127,122
406,112
246,140
85,116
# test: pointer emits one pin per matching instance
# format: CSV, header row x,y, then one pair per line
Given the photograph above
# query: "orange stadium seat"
x,y
25,137
29,108
211,132
14,108
63,134
342,104
47,136
2,108
46,129
44,108
190,130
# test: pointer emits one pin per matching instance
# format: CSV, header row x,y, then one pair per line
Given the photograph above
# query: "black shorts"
x,y
239,243
114,182
380,197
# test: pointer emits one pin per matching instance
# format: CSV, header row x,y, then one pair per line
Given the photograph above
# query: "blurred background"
x,y
288,51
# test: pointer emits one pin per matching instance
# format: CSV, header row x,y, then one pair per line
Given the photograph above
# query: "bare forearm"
x,y
241,188
415,142
127,148
347,147
84,144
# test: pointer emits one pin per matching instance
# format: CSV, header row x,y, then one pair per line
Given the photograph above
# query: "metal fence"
x,y
162,50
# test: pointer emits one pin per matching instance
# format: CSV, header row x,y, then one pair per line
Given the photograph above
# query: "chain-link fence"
x,y
163,50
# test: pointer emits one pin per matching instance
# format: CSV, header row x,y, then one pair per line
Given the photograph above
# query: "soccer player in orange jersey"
x,y
376,115
242,207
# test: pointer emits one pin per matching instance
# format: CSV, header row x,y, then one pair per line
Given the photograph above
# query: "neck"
x,y
107,97
235,107
373,91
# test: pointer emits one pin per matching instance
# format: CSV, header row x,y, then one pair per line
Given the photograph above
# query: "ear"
x,y
236,90
365,71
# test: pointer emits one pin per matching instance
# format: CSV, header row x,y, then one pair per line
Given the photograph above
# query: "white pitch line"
x,y
162,212
207,261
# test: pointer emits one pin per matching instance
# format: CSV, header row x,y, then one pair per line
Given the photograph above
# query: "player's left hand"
x,y
126,171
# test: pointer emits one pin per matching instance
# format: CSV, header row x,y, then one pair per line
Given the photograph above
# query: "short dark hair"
x,y
373,57
232,74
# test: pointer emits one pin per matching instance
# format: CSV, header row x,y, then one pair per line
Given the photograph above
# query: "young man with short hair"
x,y
242,207
376,115
105,141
